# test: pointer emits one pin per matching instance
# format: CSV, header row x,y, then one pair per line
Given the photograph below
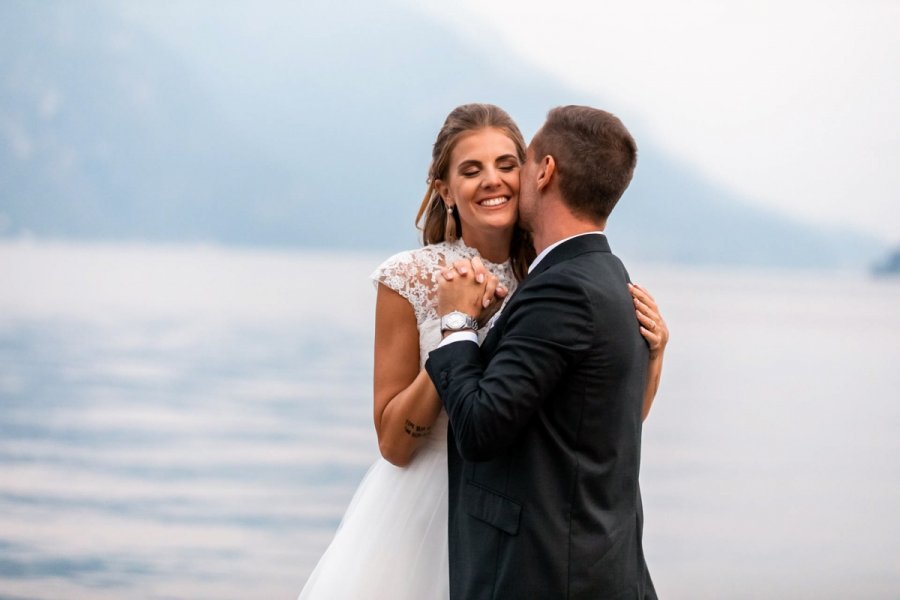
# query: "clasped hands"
x,y
467,286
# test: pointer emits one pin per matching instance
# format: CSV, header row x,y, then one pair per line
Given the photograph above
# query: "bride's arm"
x,y
406,403
656,332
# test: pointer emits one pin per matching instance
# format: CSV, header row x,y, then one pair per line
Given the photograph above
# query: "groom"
x,y
546,415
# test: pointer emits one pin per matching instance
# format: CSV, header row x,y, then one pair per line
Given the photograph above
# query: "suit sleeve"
x,y
547,330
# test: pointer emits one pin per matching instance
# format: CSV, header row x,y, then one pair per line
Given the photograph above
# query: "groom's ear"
x,y
546,172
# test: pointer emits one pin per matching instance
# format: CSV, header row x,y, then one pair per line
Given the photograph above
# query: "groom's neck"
x,y
557,222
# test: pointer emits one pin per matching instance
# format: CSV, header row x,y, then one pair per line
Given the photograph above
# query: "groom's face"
x,y
528,196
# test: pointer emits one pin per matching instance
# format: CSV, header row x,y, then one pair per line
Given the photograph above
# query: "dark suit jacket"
x,y
545,437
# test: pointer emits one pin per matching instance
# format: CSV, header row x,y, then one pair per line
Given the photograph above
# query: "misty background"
x,y
310,125
192,197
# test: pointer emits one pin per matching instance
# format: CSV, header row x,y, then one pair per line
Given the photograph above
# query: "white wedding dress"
x,y
392,541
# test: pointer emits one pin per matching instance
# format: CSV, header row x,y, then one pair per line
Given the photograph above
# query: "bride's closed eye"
x,y
469,168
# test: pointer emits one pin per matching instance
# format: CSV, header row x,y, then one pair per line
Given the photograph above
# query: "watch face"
x,y
455,321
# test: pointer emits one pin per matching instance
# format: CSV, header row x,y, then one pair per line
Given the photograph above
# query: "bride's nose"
x,y
491,178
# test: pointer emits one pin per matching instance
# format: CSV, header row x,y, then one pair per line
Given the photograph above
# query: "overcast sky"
x,y
794,103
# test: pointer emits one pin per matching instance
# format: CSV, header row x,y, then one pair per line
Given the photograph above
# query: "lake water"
x,y
190,422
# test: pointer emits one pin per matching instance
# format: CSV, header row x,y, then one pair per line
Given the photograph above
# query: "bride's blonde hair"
x,y
432,217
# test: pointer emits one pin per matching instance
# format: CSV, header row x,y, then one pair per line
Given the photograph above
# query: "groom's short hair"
x,y
595,157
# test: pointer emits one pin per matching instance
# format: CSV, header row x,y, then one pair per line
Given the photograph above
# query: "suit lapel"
x,y
568,250
565,251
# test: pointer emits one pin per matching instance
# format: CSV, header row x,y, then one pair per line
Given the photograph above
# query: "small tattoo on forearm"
x,y
416,430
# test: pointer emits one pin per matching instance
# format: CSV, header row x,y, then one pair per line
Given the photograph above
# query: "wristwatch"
x,y
457,321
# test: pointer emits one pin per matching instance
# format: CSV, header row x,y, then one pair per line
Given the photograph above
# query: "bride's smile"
x,y
494,202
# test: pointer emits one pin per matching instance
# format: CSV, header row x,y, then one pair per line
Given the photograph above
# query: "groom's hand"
x,y
491,292
460,289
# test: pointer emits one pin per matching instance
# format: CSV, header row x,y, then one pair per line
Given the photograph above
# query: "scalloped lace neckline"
x,y
468,250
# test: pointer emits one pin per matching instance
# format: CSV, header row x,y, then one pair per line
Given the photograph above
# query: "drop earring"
x,y
450,229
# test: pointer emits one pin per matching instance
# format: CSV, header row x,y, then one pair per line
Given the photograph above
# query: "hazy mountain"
x,y
303,124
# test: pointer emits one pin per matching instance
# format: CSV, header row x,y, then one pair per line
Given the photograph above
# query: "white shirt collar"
x,y
547,250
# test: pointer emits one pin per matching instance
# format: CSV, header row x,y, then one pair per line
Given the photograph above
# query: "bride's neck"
x,y
493,246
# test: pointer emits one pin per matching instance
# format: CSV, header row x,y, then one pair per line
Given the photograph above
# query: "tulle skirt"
x,y
392,541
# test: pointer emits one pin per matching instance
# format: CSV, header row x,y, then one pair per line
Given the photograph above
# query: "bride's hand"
x,y
494,292
653,326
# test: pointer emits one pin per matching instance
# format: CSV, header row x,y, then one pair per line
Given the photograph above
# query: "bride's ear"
x,y
442,188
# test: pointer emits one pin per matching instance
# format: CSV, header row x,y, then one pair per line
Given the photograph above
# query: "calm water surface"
x,y
190,422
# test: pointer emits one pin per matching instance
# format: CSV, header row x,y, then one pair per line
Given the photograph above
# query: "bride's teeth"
x,y
494,201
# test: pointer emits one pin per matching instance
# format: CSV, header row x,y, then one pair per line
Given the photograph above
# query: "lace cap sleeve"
x,y
412,275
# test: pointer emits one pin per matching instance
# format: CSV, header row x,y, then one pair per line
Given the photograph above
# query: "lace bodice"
x,y
413,274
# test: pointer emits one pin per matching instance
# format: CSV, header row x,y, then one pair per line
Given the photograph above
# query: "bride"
x,y
392,541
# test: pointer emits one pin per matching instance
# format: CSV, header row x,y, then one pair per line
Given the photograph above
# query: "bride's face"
x,y
483,181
